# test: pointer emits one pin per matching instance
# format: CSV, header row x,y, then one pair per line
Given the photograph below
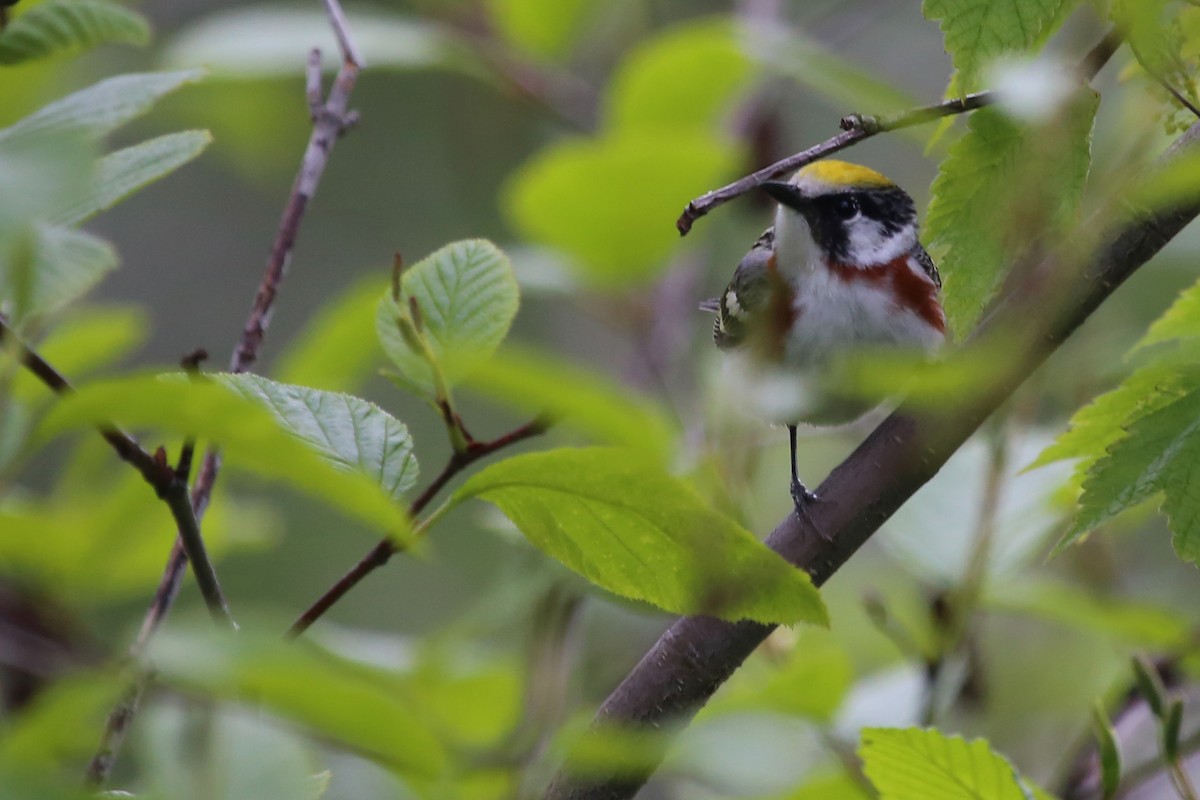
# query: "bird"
x,y
841,269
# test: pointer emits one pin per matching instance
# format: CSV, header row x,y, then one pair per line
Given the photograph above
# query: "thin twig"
x,y
153,468
386,548
330,120
859,127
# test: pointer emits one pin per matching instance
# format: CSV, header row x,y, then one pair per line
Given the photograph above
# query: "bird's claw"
x,y
803,500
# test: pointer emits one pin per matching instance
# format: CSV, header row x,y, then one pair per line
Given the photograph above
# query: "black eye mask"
x,y
893,209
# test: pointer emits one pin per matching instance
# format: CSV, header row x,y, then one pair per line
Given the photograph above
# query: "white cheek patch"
x,y
870,244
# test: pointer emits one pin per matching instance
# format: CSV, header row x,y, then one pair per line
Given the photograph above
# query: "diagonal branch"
x,y
169,484
331,118
382,552
697,654
859,127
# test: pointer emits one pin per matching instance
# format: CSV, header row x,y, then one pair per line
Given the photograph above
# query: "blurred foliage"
x,y
573,132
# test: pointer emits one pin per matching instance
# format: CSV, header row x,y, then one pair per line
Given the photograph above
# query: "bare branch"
x,y
858,127
380,553
165,481
697,654
330,119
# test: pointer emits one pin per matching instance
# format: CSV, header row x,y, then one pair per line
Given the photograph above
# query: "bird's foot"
x,y
804,500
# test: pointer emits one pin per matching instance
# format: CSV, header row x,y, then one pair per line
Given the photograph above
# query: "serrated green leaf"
x,y
467,298
592,199
1161,453
124,172
537,382
338,349
347,431
266,41
59,266
544,28
1179,322
247,434
915,764
1100,424
633,530
980,31
58,27
682,80
105,106
980,220
370,710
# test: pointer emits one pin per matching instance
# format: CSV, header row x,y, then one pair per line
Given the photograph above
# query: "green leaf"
x,y
85,342
1123,619
1180,322
915,764
538,383
347,431
978,32
105,106
59,27
467,297
594,199
635,531
1159,454
40,172
810,681
839,786
1103,422
1110,752
99,537
60,266
681,81
272,41
1171,724
1150,684
338,349
124,172
545,28
247,434
1003,189
369,710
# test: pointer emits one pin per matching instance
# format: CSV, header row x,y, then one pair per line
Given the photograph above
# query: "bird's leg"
x,y
801,496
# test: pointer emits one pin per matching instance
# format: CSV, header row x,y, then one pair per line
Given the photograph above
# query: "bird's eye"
x,y
846,207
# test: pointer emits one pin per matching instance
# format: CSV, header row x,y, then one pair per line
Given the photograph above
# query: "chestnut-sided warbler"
x,y
841,269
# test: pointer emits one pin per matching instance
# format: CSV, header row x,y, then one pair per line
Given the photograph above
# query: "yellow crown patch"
x,y
842,173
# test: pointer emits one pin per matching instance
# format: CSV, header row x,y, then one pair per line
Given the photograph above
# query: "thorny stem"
x,y
386,548
859,127
330,120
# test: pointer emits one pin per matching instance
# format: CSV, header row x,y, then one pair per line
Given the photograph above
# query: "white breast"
x,y
834,315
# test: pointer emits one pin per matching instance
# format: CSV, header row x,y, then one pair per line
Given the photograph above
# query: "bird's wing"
x,y
926,263
747,295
